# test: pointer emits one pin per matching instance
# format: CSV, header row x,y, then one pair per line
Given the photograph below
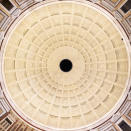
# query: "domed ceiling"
x,y
65,65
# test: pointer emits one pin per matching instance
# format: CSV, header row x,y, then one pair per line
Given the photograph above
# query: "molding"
x,y
5,16
127,111
5,108
16,13
6,23
114,4
21,2
126,26
26,4
116,117
94,130
117,15
124,109
128,19
95,1
38,0
2,33
129,93
105,126
112,128
130,38
107,5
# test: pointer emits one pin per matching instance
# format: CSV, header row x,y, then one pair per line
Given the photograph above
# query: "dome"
x,y
65,65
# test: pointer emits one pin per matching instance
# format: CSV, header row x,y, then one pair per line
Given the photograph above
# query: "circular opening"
x,y
65,65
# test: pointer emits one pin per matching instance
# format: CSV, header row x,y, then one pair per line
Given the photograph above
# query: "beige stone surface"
x,y
31,65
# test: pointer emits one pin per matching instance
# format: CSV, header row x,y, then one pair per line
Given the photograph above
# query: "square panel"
x,y
3,18
24,3
128,19
114,3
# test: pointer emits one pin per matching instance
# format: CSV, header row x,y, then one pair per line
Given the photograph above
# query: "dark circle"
x,y
65,65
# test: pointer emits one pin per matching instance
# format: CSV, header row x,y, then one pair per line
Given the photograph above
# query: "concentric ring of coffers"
x,y
37,86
